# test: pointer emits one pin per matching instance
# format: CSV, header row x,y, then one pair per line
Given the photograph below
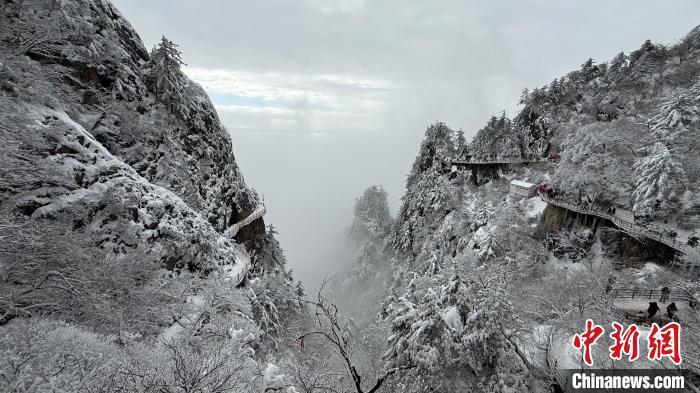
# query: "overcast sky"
x,y
326,97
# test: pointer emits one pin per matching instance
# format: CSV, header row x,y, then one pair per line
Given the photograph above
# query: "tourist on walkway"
x,y
664,294
671,311
693,241
653,309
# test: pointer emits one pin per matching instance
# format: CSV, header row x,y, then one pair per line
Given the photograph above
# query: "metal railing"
x,y
506,160
556,371
643,293
238,278
627,226
257,213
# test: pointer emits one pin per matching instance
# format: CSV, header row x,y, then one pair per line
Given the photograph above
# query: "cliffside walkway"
x,y
257,213
631,228
556,372
505,160
651,294
234,273
635,301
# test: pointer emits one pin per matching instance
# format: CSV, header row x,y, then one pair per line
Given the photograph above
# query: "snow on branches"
x,y
165,78
661,181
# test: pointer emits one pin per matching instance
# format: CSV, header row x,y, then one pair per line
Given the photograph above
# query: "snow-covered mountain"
x,y
119,192
475,287
118,183
76,87
493,284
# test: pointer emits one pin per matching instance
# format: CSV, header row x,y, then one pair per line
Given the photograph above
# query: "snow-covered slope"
x,y
87,141
130,188
82,58
55,170
115,200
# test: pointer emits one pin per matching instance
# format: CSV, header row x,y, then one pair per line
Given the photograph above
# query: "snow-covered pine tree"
x,y
420,337
484,243
677,125
427,193
490,318
367,278
555,90
616,68
165,77
589,71
365,264
271,256
646,47
461,141
459,323
661,182
678,116
524,96
275,297
372,219
436,152
497,139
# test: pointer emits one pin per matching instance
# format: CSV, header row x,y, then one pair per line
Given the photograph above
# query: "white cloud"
x,y
324,102
336,6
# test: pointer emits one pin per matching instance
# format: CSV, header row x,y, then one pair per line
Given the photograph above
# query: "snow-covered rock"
x,y
86,141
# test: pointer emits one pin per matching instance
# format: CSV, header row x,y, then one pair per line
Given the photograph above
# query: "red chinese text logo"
x,y
663,342
624,343
586,339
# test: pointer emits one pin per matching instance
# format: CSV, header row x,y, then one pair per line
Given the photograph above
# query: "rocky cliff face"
x,y
88,145
114,203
